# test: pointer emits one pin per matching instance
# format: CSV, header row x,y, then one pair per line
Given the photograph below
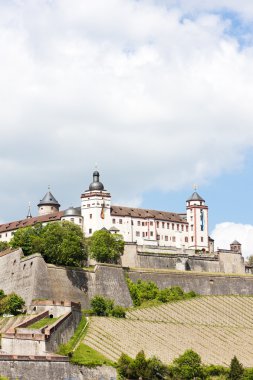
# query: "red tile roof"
x,y
146,214
31,221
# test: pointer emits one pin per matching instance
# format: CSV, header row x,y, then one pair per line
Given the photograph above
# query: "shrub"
x,y
101,306
106,247
188,366
118,312
140,367
11,304
142,292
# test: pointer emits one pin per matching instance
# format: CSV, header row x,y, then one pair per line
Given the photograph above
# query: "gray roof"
x,y
235,242
195,197
49,199
113,228
96,184
72,211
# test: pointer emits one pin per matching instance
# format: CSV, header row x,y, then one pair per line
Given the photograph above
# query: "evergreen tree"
x,y
236,369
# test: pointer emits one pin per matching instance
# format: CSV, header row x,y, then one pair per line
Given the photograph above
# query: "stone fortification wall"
x,y
206,284
32,278
26,276
27,369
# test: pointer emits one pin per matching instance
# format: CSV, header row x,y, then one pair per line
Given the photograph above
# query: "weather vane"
x,y
195,187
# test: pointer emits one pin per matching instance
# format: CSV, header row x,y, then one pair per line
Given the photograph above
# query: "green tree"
x,y
11,304
236,369
3,245
101,306
188,366
63,244
106,247
23,238
59,243
124,366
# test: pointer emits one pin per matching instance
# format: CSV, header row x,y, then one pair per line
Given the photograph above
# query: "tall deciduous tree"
x,y
106,247
59,243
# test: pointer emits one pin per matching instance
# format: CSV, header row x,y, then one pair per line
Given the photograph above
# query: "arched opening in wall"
x,y
31,264
34,308
51,316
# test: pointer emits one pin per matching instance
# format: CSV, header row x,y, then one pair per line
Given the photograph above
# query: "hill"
x,y
217,327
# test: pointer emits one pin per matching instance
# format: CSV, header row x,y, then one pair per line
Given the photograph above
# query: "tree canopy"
x,y
60,243
106,247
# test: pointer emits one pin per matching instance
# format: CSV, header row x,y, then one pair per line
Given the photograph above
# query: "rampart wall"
x,y
202,283
51,369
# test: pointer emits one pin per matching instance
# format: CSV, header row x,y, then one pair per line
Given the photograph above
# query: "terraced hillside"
x,y
217,327
12,322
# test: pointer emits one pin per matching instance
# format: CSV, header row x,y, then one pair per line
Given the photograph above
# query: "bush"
x,y
188,366
104,307
11,304
118,312
140,367
3,245
142,292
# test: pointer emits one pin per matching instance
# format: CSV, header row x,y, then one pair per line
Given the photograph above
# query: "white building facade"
x,y
136,225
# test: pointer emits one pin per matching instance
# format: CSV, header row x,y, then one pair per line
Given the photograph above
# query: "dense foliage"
x,y
143,291
141,368
11,303
106,247
105,307
3,245
59,243
188,366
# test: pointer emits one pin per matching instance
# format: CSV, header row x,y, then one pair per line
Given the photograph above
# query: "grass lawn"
x,y
85,355
42,322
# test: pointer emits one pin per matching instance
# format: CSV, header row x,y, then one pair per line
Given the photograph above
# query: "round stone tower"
x,y
48,204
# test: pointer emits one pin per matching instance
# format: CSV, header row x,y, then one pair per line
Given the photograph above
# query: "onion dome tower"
x,y
95,207
197,217
48,204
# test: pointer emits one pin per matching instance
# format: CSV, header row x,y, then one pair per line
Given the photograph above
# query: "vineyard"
x,y
12,322
216,327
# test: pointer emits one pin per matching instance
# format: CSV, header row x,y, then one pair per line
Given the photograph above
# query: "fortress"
x,y
154,239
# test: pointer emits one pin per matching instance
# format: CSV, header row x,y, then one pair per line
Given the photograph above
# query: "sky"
x,y
157,93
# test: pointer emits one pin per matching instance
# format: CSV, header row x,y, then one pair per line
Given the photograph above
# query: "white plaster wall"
x,y
23,347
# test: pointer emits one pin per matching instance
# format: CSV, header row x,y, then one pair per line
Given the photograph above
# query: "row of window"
x,y
173,226
166,238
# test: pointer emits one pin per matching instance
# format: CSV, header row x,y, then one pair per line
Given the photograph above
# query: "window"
x,y
80,220
192,239
192,227
186,239
151,223
113,221
177,227
157,224
143,234
158,237
187,228
120,221
173,239
137,233
90,230
72,220
12,233
168,226
202,239
166,238
172,226
90,216
138,223
142,223
151,233
163,224
182,227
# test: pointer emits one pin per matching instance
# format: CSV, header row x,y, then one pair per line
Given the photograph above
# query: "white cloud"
x,y
226,233
159,100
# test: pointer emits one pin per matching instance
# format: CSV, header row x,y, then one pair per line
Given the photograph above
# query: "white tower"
x,y
96,207
197,217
